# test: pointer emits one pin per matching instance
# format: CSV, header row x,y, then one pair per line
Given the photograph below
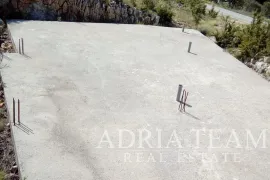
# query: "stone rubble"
x,y
261,66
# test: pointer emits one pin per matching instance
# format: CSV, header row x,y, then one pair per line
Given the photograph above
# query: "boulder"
x,y
267,73
266,60
156,20
2,26
260,67
254,60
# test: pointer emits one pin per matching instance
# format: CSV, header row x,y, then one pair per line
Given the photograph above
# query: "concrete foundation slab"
x,y
82,84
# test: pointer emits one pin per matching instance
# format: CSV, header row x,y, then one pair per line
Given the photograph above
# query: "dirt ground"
x,y
8,165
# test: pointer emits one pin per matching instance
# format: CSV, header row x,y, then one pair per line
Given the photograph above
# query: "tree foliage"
x,y
255,39
252,40
212,13
228,36
198,10
266,9
165,13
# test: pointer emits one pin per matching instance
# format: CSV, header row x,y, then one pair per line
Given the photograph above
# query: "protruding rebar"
x,y
189,46
20,46
14,109
185,102
179,93
19,119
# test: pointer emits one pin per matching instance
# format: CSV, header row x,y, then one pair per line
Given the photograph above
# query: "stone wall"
x,y
76,10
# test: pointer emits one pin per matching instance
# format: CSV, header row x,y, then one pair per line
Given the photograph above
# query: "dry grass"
x,y
183,17
2,175
208,26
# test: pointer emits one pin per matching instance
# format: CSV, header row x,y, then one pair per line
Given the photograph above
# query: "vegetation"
x,y
2,175
161,7
266,9
251,41
148,5
227,38
212,13
165,14
198,10
2,125
188,12
245,42
247,7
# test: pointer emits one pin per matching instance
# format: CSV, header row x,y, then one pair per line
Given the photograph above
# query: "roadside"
x,y
234,15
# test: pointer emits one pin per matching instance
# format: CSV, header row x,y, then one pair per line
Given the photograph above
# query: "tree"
x,y
236,3
198,10
266,8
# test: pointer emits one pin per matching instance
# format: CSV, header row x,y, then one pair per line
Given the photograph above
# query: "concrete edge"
x,y
12,135
12,40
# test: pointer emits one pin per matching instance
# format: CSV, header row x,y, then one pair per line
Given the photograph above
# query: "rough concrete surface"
x,y
77,80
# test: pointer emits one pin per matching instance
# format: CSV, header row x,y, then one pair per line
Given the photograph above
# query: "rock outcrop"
x,y
76,10
261,66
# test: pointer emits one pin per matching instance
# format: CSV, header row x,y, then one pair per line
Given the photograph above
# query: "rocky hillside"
x,y
76,10
262,66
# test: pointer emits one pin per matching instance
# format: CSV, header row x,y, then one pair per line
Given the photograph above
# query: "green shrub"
x,y
148,5
2,175
198,10
253,6
228,37
247,42
267,49
165,13
133,3
236,3
266,8
206,29
255,39
2,125
212,13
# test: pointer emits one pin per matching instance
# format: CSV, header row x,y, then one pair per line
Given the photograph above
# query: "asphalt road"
x,y
239,17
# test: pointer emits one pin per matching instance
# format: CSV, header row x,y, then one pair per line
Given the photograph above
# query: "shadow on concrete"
x,y
193,53
25,55
7,58
190,115
25,128
19,127
15,21
4,66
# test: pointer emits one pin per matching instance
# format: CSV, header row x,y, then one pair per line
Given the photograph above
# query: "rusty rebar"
x,y
185,101
14,112
19,119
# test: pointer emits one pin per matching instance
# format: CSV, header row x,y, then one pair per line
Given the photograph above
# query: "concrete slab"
x,y
79,80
